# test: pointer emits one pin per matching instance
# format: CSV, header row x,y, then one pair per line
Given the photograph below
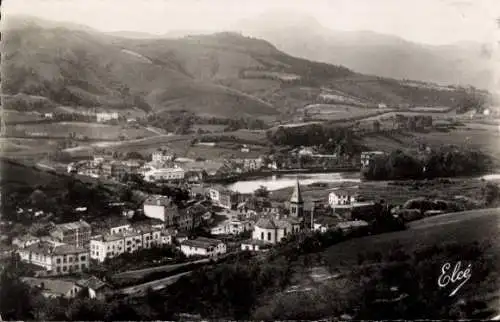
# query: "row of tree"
x,y
329,139
445,162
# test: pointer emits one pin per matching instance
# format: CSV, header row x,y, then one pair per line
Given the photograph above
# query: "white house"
x,y
271,230
95,287
119,227
156,207
348,226
109,246
367,157
254,245
104,117
162,156
234,227
25,241
175,173
203,247
56,259
54,288
341,197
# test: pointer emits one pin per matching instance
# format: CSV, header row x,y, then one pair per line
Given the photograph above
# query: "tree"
x,y
491,194
262,192
16,298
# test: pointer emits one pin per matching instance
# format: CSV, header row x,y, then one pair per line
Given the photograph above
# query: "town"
x,y
235,222
275,169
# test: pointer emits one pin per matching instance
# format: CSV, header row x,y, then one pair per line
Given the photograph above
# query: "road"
x,y
164,268
155,285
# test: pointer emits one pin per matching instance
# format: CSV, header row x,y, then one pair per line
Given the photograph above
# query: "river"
x,y
277,182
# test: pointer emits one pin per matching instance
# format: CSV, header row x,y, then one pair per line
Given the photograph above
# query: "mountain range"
x,y
463,63
222,74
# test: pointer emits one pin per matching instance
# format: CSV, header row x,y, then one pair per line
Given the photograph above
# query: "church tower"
x,y
296,202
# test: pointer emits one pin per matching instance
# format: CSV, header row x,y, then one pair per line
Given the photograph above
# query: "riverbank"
x,y
269,173
394,192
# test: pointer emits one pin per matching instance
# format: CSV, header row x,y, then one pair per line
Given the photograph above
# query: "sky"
x,y
426,21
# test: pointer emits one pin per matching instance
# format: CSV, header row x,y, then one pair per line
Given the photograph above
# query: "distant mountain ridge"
x,y
222,74
372,53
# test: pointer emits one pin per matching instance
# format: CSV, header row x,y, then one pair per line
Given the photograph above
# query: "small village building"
x,y
232,227
350,226
56,259
254,245
161,208
341,197
73,233
272,230
106,117
95,288
162,156
112,245
25,241
224,197
367,157
54,288
202,246
164,174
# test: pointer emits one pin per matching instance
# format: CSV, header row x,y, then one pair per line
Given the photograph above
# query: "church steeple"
x,y
296,195
296,201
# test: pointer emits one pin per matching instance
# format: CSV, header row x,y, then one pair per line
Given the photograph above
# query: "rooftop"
x,y
202,242
158,200
47,248
297,194
55,286
73,225
257,242
92,283
272,223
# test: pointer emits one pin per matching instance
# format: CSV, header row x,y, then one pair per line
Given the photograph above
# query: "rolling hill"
x,y
223,74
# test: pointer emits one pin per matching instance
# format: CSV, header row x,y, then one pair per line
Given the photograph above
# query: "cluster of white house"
x,y
70,246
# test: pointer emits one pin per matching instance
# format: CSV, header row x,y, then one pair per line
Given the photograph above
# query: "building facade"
x,y
112,245
203,247
74,233
367,157
272,231
341,197
57,260
160,207
165,174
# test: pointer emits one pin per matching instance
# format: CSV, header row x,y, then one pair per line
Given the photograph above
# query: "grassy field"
x,y
16,116
334,112
91,130
472,135
458,228
391,192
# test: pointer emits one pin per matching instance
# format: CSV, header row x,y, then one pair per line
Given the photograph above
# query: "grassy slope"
x,y
201,73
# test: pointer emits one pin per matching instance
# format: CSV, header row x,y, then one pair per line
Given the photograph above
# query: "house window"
x,y
58,261
83,257
284,233
70,259
268,236
262,235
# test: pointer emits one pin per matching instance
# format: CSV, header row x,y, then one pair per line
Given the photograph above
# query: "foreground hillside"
x,y
224,74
